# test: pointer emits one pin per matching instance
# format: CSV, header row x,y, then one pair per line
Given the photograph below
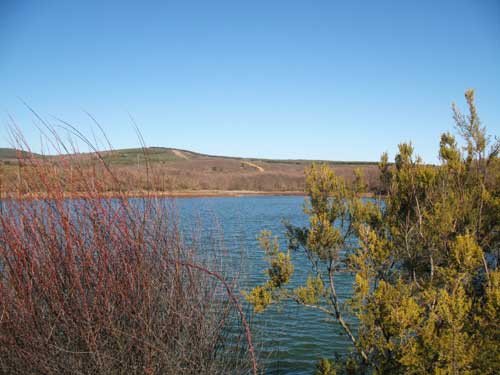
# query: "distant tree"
x,y
424,259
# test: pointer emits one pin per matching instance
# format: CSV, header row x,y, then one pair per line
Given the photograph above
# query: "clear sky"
x,y
342,80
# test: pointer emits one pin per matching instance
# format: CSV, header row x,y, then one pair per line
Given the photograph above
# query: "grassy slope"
x,y
8,154
162,154
187,170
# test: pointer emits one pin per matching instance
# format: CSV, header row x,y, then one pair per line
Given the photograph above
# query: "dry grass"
x,y
168,173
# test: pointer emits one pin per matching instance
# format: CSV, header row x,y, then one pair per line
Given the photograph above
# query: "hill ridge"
x,y
7,153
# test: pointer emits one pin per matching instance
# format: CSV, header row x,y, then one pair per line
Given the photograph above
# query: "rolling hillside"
x,y
181,170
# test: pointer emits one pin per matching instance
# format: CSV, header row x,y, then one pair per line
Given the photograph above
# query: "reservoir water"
x,y
290,338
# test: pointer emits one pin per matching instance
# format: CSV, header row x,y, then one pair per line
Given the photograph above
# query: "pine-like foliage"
x,y
424,257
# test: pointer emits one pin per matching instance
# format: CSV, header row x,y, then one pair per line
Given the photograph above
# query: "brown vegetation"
x,y
108,286
193,172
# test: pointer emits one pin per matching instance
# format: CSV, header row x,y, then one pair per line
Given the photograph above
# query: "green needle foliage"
x,y
424,256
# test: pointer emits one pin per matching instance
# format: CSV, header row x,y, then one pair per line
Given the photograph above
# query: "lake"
x,y
290,338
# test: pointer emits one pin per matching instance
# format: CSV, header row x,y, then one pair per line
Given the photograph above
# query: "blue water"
x,y
290,338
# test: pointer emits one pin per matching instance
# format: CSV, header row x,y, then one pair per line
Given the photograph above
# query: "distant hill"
x,y
10,154
7,153
177,169
165,154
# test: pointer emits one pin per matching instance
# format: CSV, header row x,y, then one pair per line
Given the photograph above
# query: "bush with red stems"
x,y
97,285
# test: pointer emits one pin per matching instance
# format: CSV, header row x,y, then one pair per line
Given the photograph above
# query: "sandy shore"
x,y
210,193
221,193
159,194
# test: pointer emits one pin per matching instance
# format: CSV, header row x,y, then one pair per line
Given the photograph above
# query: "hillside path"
x,y
258,167
180,154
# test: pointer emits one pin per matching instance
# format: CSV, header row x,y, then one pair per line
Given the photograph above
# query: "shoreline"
x,y
155,194
161,194
210,193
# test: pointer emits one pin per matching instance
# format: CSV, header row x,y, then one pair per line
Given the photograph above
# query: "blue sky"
x,y
342,80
